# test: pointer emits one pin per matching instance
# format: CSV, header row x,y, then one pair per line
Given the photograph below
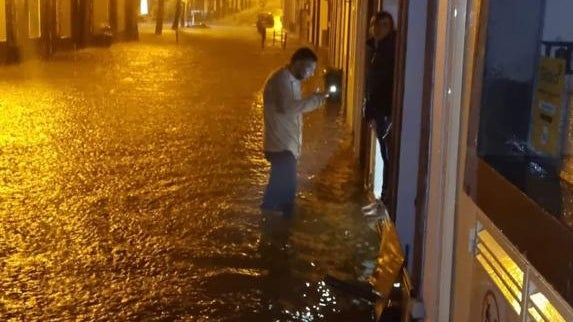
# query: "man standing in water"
x,y
283,110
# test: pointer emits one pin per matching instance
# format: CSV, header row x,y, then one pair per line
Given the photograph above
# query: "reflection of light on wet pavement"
x,y
130,181
326,301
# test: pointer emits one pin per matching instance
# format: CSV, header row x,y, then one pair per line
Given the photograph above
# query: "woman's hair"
x,y
381,15
303,53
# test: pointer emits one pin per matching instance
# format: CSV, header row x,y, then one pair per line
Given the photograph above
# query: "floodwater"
x,y
130,183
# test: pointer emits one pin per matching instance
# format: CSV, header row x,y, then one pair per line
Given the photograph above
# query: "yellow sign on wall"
x,y
547,112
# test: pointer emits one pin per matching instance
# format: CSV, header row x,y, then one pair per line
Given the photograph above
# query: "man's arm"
x,y
288,103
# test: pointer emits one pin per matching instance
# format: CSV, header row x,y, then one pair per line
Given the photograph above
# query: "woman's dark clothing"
x,y
380,77
379,93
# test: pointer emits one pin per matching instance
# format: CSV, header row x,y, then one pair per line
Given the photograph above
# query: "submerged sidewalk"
x,y
135,178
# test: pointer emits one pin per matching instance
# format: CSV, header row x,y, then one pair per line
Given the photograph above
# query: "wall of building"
x,y
323,41
411,121
121,15
34,22
443,166
312,22
392,7
64,18
289,15
355,66
36,28
3,24
100,15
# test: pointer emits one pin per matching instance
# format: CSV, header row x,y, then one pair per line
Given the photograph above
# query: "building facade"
x,y
32,28
211,8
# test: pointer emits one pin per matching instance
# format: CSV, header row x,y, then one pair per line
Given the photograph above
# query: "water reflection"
x,y
130,191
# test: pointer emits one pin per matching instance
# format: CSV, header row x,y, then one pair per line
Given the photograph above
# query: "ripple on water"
x,y
130,180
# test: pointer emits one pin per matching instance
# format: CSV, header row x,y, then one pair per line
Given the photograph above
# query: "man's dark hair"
x,y
384,15
303,53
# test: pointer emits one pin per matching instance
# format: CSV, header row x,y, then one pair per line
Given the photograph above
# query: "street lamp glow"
x,y
278,24
143,7
332,89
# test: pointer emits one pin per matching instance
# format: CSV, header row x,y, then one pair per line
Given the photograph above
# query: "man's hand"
x,y
321,96
322,93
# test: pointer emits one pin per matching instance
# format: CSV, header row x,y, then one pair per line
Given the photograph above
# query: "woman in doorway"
x,y
379,89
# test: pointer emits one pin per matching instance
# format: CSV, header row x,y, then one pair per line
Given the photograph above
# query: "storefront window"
x,y
525,129
519,167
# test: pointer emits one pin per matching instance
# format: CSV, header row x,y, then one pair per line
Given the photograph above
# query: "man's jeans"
x,y
281,189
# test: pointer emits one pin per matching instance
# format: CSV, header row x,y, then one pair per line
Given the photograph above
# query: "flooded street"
x,y
130,184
